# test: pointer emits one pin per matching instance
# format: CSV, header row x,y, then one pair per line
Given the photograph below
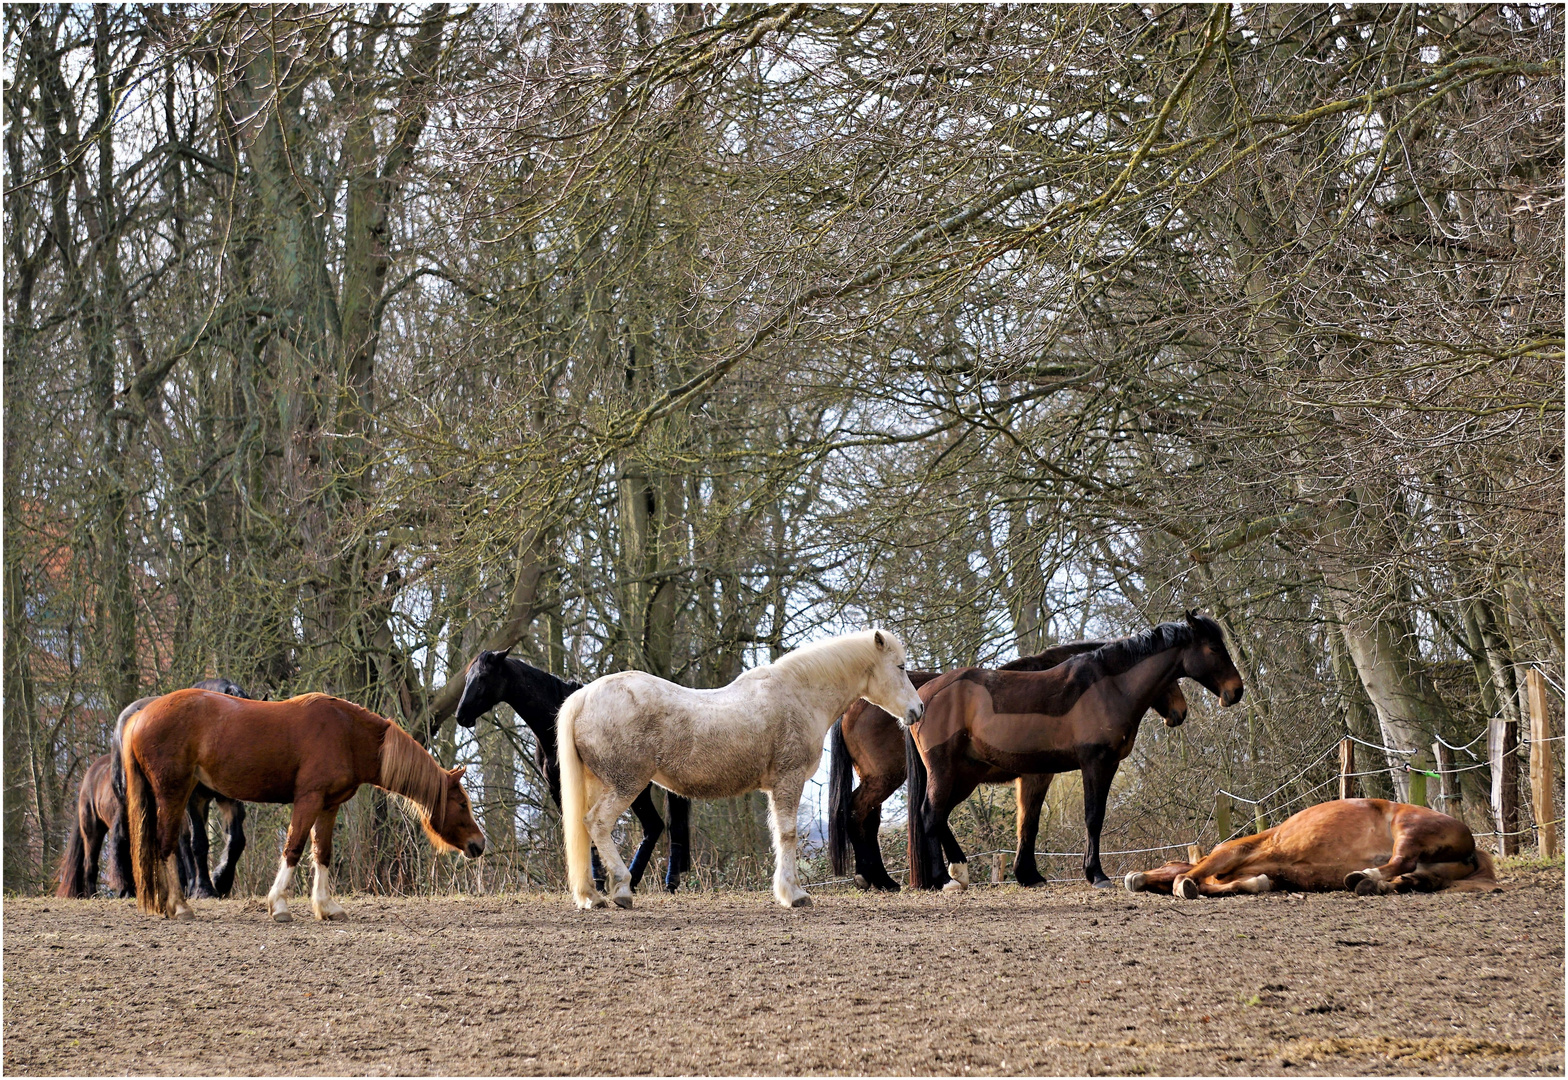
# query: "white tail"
x,y
574,802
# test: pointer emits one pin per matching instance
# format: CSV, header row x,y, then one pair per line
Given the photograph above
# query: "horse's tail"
x,y
73,864
841,790
141,814
920,875
574,802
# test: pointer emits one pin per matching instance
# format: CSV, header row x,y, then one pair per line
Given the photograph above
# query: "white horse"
x,y
761,732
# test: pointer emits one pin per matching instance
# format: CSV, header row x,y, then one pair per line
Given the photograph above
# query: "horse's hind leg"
x,y
306,809
1382,879
865,824
233,847
1031,797
321,901
652,829
194,849
605,806
679,807
783,805
171,821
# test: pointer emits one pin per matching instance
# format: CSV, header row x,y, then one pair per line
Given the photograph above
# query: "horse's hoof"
x,y
1103,883
282,916
954,887
958,872
889,886
802,901
623,902
338,915
1185,888
861,883
1135,881
185,915
1366,887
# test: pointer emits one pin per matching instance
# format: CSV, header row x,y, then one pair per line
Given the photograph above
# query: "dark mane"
x,y
1116,657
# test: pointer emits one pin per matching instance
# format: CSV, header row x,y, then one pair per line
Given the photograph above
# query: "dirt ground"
x,y
998,980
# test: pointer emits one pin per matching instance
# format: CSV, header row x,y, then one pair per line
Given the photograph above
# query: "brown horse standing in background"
x,y
96,810
1364,845
870,742
1078,715
313,751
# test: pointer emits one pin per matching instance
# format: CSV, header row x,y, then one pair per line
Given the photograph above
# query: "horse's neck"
x,y
1143,682
527,693
828,703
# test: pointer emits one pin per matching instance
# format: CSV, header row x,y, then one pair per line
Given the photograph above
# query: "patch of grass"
x,y
1532,861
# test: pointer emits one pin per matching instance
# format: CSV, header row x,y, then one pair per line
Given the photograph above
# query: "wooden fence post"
x,y
1543,793
1347,768
1260,819
1417,786
1194,854
1502,744
996,869
1448,785
1222,815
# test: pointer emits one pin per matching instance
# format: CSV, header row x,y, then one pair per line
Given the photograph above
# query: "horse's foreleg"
x,y
1031,797
679,807
306,809
865,825
233,846
605,808
1097,775
195,851
90,854
652,829
321,901
783,805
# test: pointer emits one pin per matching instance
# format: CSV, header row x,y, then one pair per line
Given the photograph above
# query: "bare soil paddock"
x,y
1000,980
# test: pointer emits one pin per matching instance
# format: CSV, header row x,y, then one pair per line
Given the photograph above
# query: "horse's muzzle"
x,y
1232,695
913,714
476,848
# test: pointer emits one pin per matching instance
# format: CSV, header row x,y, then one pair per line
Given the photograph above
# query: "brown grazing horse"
x,y
870,742
1081,714
96,810
1364,845
313,751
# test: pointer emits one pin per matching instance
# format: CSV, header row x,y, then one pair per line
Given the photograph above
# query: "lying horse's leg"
x,y
679,807
1157,880
605,806
1098,772
783,804
652,829
233,813
1224,859
1382,879
1031,797
306,809
321,901
865,824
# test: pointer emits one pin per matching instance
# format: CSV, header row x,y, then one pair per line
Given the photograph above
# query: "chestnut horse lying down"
x,y
1365,845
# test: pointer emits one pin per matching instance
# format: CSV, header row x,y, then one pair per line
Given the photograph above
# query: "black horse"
x,y
193,853
536,696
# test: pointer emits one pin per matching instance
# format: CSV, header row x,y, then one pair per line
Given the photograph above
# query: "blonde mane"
x,y
408,771
838,661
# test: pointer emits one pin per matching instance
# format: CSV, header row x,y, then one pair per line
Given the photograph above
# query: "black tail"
x,y
841,791
920,872
73,864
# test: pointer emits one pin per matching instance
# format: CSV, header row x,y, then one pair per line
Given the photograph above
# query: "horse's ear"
x,y
508,650
881,641
1192,615
457,773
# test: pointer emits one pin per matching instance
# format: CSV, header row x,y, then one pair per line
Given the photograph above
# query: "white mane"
x,y
837,661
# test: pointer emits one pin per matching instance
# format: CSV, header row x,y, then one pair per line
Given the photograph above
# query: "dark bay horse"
x,y
536,696
313,751
1366,846
96,810
870,742
192,856
1082,714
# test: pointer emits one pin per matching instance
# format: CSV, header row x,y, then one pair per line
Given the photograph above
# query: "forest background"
x,y
342,342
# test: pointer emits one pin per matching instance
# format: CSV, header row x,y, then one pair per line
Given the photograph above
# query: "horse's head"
x,y
1206,660
1172,704
481,687
451,825
888,686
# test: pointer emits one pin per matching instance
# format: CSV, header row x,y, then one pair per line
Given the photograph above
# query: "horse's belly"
x,y
1024,757
721,785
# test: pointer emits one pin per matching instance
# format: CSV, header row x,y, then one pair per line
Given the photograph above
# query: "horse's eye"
x,y
900,667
